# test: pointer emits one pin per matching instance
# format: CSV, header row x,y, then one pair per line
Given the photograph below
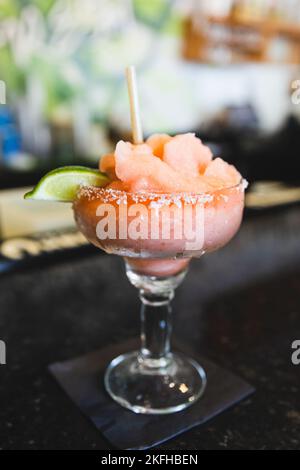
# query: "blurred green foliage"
x,y
154,13
12,8
9,8
95,63
13,76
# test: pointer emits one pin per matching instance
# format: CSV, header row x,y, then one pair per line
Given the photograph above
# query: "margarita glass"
x,y
158,204
170,230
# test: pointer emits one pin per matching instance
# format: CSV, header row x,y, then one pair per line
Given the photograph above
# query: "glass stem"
x,y
156,328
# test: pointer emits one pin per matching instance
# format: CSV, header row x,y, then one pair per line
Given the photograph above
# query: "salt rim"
x,y
157,199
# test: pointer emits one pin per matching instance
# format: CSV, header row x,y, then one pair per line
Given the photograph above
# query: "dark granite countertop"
x,y
239,306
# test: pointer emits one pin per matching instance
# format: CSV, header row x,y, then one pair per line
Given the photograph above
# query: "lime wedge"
x,y
63,183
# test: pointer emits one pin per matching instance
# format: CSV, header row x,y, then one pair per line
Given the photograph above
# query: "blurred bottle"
x,y
11,154
9,139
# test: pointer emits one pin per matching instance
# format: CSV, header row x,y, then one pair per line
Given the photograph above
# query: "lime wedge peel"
x,y
63,183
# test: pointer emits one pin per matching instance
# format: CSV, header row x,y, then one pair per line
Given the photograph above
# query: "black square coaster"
x,y
82,379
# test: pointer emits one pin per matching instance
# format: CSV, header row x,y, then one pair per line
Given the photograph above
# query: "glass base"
x,y
159,386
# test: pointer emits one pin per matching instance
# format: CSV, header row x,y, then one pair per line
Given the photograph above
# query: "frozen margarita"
x,y
172,182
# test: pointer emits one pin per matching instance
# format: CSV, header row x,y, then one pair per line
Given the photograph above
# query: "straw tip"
x,y
134,105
